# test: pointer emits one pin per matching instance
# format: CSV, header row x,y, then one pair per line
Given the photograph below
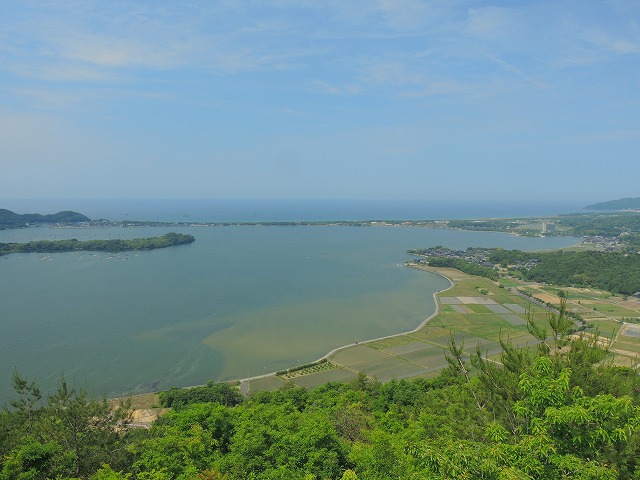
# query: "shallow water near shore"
x,y
238,302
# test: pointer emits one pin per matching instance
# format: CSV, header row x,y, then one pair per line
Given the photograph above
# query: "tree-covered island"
x,y
117,245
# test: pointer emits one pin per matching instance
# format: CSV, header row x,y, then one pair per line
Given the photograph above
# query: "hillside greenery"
x,y
632,239
221,393
621,204
552,412
611,271
116,245
9,219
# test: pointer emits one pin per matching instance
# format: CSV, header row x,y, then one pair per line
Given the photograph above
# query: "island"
x,y
118,245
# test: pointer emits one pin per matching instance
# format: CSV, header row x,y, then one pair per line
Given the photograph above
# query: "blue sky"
x,y
385,99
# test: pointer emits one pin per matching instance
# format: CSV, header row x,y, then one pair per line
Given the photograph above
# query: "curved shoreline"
x,y
244,381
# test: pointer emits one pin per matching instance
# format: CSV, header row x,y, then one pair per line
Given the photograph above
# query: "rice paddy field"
x,y
615,318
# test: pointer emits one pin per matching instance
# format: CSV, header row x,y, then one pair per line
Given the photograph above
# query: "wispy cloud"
x,y
333,89
493,22
442,87
407,14
516,71
51,99
613,43
106,51
55,71
86,45
417,76
76,100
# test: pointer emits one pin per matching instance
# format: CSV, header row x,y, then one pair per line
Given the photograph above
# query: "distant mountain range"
x,y
622,204
9,219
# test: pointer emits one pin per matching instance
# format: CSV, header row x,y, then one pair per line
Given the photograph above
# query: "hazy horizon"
x,y
217,210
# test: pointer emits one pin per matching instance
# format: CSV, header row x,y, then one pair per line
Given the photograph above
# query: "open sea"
x,y
238,302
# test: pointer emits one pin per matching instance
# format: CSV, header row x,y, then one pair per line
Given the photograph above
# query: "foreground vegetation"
x,y
118,245
555,410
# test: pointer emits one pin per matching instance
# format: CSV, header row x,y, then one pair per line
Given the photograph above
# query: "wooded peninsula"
x,y
116,245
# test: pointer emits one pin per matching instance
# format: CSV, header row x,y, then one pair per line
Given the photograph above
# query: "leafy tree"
x,y
381,457
36,460
70,432
220,393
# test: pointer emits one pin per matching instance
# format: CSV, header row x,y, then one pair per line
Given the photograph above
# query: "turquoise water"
x,y
240,301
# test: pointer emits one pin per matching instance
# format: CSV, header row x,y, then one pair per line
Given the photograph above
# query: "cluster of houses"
x,y
603,243
479,256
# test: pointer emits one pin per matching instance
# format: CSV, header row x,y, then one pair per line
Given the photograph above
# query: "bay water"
x,y
239,301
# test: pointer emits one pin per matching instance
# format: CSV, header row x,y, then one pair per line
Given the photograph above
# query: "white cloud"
x,y
107,51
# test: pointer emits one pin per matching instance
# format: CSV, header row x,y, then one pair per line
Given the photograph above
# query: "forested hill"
x,y
9,219
611,271
621,204
118,245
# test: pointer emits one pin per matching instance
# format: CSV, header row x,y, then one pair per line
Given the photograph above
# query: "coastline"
x,y
243,382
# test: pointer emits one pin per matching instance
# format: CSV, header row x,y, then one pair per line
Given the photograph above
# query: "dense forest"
x,y
611,271
117,245
552,412
9,219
